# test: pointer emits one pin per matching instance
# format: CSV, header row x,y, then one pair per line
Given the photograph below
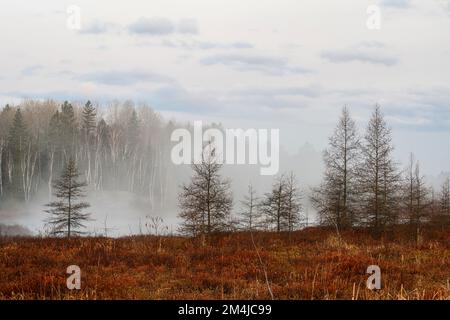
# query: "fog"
x,y
121,213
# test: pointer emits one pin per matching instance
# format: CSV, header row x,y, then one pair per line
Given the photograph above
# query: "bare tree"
x,y
293,203
336,198
417,197
272,205
444,197
249,214
378,176
281,207
206,201
66,214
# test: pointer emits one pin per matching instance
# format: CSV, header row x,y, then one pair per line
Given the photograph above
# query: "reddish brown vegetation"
x,y
312,264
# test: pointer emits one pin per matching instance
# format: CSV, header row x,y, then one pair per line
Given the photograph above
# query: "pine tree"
x,y
89,115
68,129
6,120
206,201
66,214
337,197
88,127
378,175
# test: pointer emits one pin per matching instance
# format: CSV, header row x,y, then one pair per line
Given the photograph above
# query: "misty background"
x,y
244,64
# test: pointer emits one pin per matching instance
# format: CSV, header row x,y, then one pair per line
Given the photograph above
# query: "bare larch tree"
x,y
417,198
249,215
444,197
281,208
378,176
205,202
336,198
293,203
272,206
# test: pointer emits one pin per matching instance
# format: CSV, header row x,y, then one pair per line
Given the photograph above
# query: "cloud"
x,y
50,95
310,92
396,3
152,26
157,26
366,52
187,26
261,63
174,97
98,27
123,78
31,70
193,44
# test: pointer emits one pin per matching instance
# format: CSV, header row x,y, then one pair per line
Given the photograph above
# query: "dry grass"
x,y
313,264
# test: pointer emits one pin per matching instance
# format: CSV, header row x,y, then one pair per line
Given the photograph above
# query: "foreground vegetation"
x,y
310,264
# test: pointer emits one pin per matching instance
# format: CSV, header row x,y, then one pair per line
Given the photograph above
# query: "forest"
x,y
370,210
124,147
120,148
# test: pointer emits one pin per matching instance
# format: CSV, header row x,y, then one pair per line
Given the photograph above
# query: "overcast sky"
x,y
285,64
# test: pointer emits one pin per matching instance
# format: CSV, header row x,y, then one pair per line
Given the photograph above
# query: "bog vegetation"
x,y
309,264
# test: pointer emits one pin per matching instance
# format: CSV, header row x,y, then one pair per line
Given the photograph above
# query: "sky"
x,y
284,64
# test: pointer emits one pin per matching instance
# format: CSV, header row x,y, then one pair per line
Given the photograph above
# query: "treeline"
x,y
119,147
206,202
362,187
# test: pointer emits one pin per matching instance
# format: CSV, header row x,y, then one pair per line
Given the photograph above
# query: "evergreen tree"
x,y
6,119
89,115
17,142
68,129
66,214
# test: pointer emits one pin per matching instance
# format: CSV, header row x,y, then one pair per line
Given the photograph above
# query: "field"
x,y
310,264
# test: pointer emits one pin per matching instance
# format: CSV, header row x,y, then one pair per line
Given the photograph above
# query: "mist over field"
x,y
123,212
224,150
165,64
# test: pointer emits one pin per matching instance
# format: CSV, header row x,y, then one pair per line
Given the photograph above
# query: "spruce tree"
x,y
89,115
17,142
66,214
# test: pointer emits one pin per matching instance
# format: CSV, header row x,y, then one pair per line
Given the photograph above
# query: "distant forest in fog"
x,y
123,153
116,148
